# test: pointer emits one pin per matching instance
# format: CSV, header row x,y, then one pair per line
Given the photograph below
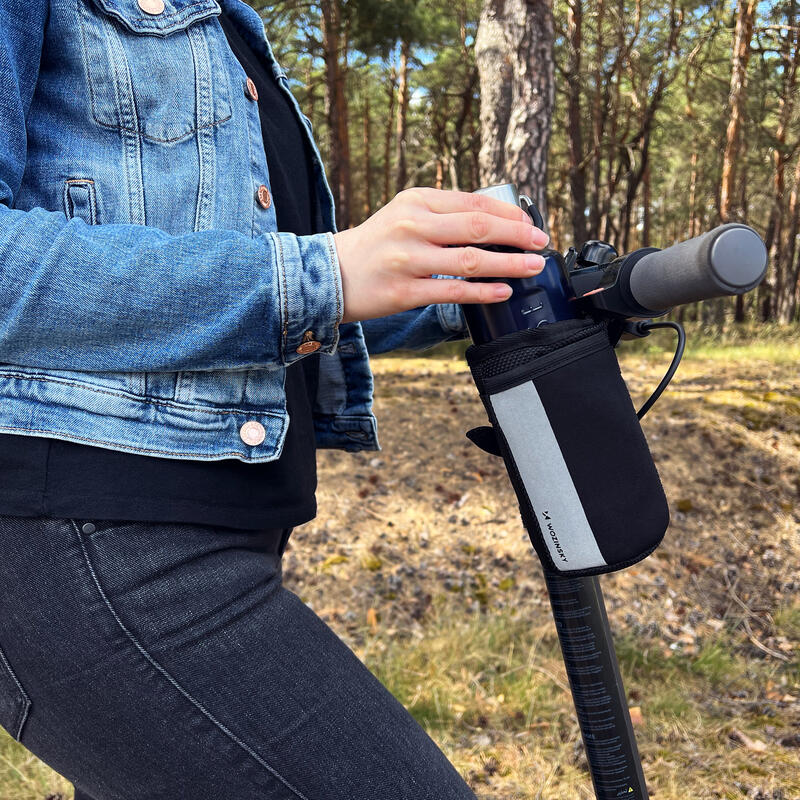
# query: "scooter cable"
x,y
673,368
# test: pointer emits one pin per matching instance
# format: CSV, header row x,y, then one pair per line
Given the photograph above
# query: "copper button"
x,y
153,7
309,345
250,89
253,433
264,197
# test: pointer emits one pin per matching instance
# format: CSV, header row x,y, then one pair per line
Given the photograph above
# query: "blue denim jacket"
x,y
147,301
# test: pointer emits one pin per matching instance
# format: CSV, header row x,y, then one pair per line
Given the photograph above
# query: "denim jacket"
x,y
148,303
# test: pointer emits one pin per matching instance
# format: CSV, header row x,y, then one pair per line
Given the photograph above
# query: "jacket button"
x,y
264,197
250,89
153,7
253,433
309,344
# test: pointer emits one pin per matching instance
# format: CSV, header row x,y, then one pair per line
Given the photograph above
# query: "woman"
x,y
179,330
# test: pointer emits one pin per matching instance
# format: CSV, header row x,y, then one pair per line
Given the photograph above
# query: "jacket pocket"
x,y
15,705
159,76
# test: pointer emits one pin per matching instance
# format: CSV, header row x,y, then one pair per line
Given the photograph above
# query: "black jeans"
x,y
148,661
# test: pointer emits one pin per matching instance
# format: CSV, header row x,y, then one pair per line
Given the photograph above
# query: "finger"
x,y
450,202
436,290
472,262
476,227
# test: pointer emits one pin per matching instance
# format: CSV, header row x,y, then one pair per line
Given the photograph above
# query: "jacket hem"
x,y
116,422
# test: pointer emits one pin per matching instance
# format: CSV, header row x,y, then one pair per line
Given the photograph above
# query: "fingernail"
x,y
503,291
534,263
539,238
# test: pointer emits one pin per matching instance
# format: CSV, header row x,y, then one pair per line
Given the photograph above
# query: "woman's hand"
x,y
387,262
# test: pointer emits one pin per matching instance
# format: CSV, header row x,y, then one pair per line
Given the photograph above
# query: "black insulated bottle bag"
x,y
589,493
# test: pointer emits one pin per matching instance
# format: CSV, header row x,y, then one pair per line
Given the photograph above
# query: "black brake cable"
x,y
673,367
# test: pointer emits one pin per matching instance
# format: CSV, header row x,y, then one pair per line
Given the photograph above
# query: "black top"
x,y
52,477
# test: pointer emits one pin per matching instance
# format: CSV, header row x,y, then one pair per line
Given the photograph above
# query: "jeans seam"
x,y
171,680
26,701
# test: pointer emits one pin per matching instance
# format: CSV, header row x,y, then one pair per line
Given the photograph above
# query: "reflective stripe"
x,y
546,479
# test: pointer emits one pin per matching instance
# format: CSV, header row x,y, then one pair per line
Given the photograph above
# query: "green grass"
x,y
779,344
24,777
505,677
787,620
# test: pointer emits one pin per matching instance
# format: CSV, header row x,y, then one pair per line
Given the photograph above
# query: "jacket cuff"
x,y
451,315
311,301
451,318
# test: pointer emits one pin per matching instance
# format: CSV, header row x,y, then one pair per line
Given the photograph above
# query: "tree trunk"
x,y
474,155
402,118
367,156
514,53
465,116
745,15
694,228
598,123
612,103
782,291
788,303
311,93
497,92
639,144
577,168
391,90
646,210
336,110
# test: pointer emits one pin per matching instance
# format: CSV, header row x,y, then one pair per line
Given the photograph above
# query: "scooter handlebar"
x,y
729,260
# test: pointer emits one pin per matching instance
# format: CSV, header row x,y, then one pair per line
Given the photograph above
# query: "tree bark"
x,y
336,110
467,101
646,209
402,118
367,156
391,90
788,309
745,16
598,123
514,53
639,144
779,302
694,228
577,167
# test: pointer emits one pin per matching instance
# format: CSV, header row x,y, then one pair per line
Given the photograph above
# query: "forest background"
x,y
642,122
639,122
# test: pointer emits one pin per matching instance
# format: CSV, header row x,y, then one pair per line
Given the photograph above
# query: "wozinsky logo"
x,y
554,536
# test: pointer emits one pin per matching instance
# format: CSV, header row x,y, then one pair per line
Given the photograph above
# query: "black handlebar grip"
x,y
729,260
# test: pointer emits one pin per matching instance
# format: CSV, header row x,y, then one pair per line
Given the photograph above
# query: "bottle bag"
x,y
563,421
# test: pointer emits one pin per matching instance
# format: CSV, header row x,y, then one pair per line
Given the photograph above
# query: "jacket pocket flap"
x,y
177,14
